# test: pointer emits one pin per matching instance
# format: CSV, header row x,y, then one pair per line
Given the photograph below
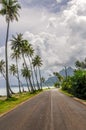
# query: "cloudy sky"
x,y
56,28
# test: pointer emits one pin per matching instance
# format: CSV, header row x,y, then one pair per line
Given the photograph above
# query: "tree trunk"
x,y
35,75
40,77
9,86
27,85
18,76
28,77
6,58
32,72
20,83
35,71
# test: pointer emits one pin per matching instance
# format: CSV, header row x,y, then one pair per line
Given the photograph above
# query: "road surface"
x,y
50,110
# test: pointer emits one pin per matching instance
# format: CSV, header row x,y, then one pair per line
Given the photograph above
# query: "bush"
x,y
57,85
79,84
67,85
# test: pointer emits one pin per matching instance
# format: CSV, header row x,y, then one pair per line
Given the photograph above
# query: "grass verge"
x,y
8,104
70,95
66,93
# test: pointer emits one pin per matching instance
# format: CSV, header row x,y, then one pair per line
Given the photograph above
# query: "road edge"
x,y
75,98
19,105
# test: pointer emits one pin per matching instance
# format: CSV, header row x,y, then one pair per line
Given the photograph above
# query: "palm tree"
x,y
42,80
59,77
16,42
2,68
24,47
26,74
29,51
37,62
81,64
13,71
10,10
19,44
2,71
16,55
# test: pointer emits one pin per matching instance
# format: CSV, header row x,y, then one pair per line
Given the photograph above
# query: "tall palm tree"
x,y
37,63
10,10
29,52
24,47
16,55
19,44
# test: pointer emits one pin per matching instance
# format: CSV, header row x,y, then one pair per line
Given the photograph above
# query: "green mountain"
x,y
51,80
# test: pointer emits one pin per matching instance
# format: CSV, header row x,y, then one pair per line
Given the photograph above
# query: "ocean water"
x,y
14,89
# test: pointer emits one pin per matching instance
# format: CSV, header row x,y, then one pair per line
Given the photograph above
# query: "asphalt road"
x,y
50,110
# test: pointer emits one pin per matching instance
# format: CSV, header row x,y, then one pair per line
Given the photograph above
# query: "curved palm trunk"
x,y
27,85
11,90
40,77
18,76
9,86
6,58
32,73
35,71
20,83
32,90
29,77
35,75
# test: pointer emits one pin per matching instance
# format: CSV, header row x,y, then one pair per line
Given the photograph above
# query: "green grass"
x,y
70,95
66,93
8,104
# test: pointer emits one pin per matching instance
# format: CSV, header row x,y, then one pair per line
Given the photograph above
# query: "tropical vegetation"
x,y
10,10
22,53
76,84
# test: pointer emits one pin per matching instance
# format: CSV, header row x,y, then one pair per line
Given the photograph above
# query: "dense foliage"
x,y
79,83
76,84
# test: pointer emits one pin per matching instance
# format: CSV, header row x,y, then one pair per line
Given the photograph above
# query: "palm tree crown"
x,y
37,61
26,72
16,42
30,51
10,9
13,69
2,66
15,55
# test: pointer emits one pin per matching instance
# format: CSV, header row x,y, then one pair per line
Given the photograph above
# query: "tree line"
x,y
21,49
76,84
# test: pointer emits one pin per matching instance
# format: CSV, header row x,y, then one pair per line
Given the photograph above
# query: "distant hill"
x,y
53,79
69,71
50,81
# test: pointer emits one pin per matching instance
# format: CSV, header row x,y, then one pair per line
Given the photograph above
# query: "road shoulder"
x,y
75,98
